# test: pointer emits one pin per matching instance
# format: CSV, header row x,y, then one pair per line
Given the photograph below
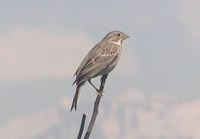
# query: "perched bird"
x,y
100,60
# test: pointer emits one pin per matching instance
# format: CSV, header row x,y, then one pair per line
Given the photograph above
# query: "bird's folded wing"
x,y
102,57
86,59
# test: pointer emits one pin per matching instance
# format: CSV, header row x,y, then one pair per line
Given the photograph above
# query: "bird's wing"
x,y
98,60
86,59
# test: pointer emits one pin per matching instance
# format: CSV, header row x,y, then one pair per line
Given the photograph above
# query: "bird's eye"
x,y
118,34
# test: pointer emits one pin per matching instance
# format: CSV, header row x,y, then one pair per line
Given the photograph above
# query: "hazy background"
x,y
154,92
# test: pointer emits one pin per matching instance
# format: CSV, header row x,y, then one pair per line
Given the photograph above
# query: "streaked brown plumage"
x,y
100,60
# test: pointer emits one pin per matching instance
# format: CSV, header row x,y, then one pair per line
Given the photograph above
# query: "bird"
x,y
100,60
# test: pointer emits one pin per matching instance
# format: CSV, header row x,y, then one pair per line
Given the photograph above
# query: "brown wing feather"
x,y
102,56
86,60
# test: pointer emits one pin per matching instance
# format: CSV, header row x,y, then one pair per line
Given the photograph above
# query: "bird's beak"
x,y
126,36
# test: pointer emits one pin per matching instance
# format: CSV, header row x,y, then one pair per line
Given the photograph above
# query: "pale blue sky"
x,y
161,56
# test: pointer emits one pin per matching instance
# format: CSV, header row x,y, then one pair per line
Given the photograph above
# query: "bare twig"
x,y
82,126
96,107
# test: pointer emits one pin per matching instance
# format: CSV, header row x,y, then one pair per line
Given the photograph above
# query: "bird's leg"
x,y
93,85
103,81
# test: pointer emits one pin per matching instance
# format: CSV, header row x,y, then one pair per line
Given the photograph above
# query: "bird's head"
x,y
116,37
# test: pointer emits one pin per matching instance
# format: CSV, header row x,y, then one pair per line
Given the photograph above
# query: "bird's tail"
x,y
75,99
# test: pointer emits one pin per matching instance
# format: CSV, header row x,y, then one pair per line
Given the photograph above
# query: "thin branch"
x,y
96,107
82,126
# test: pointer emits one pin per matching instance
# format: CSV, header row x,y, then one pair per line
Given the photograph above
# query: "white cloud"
x,y
39,123
37,53
188,14
135,115
31,125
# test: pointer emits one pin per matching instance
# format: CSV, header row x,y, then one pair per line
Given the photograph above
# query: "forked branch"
x,y
96,107
95,110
